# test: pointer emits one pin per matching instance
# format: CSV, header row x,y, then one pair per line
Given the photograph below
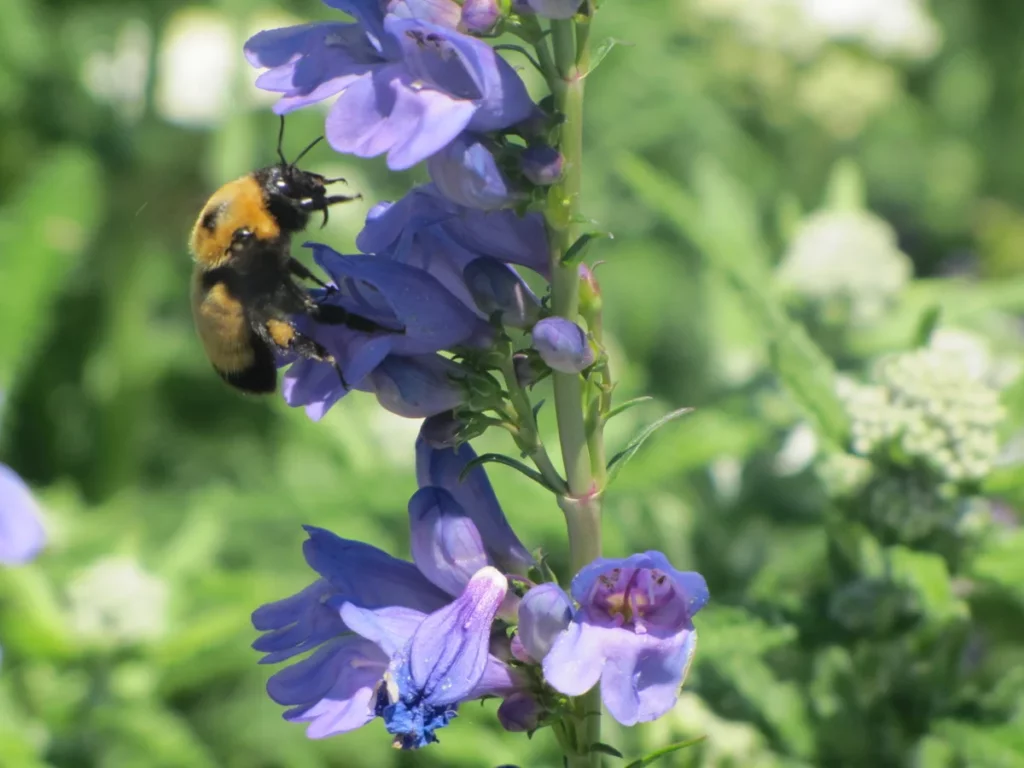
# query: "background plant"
x,y
706,172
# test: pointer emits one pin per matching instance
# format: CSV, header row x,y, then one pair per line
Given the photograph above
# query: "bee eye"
x,y
240,238
282,185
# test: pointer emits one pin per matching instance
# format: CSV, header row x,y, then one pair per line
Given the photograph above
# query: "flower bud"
x,y
419,386
590,292
541,164
480,16
520,712
563,345
554,9
442,12
497,289
544,612
466,173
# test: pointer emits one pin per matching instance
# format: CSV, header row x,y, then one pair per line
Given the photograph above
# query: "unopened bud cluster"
x,y
926,409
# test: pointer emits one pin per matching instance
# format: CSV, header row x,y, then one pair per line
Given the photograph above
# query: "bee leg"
x,y
332,314
300,270
284,335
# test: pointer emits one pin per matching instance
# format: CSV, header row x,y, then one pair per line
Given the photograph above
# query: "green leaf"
x,y
500,458
722,222
657,754
577,250
927,324
602,49
623,407
1001,562
985,746
605,749
928,575
619,460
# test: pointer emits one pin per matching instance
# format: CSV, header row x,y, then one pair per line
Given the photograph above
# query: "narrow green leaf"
x,y
657,754
602,49
927,324
576,251
845,189
619,460
623,407
500,458
606,749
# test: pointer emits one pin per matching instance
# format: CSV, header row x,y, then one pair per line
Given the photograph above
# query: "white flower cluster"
x,y
902,28
927,408
847,263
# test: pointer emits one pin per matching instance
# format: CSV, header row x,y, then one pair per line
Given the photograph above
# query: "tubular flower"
x,y
467,174
632,632
21,532
435,661
405,86
563,345
426,230
396,296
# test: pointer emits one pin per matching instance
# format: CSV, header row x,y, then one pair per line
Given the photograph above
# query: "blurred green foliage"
x,y
175,506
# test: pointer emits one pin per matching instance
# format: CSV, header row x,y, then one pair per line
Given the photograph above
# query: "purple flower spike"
x,y
467,174
405,86
442,468
633,632
497,289
554,9
21,532
446,545
417,387
544,613
563,345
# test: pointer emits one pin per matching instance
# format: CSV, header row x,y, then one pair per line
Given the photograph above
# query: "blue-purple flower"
x,y
426,230
563,345
632,632
405,86
498,290
555,9
21,532
542,164
422,631
467,173
397,296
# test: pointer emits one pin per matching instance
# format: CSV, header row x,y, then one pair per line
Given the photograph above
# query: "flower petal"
x,y
348,659
21,532
448,653
544,613
390,628
466,172
296,624
563,345
443,468
445,543
345,564
419,386
575,662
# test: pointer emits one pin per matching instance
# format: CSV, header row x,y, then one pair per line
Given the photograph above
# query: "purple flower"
x,y
498,290
405,86
520,712
442,469
563,345
555,9
442,430
541,164
394,295
426,230
435,661
467,174
544,613
633,632
443,12
21,533
416,387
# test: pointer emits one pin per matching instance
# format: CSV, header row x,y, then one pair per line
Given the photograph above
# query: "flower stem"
x,y
582,507
528,439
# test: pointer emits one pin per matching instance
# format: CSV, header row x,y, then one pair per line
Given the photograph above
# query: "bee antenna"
x,y
280,142
302,154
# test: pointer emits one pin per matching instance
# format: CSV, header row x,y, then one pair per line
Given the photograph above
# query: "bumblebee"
x,y
244,289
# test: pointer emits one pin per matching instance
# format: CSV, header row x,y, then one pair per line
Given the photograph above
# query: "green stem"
x,y
528,438
582,507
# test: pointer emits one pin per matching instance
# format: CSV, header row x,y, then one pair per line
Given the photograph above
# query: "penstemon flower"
x,y
447,269
21,533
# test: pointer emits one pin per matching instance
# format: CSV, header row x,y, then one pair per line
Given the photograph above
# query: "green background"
x,y
119,119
